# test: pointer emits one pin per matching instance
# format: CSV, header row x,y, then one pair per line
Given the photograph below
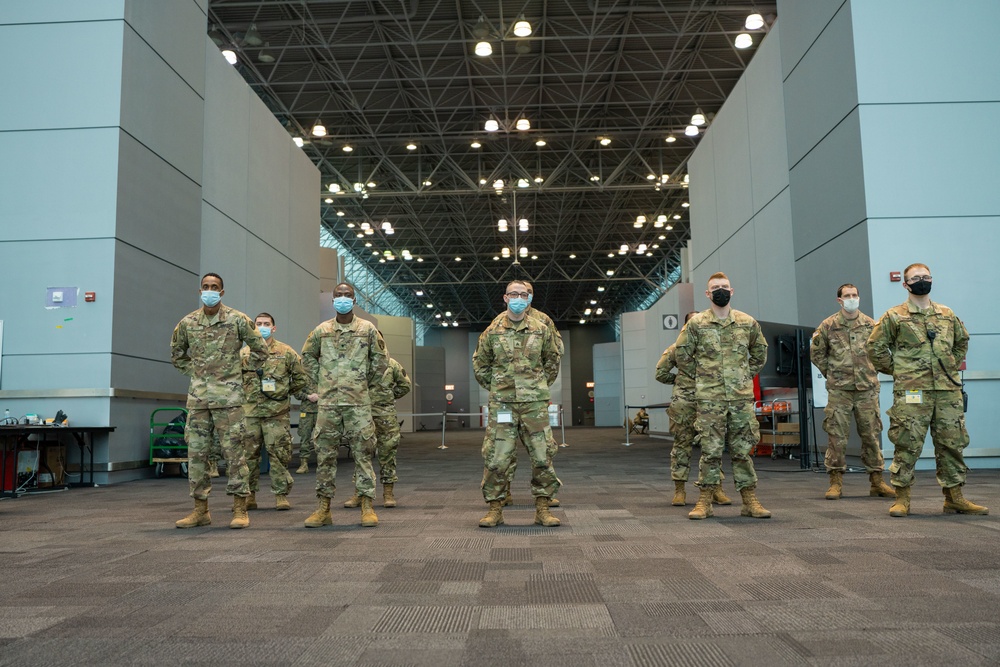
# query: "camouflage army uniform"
x,y
838,350
531,311
343,362
266,412
923,396
307,422
682,413
207,350
392,385
723,356
517,361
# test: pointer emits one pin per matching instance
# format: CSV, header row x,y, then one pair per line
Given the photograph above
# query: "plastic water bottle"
x,y
6,416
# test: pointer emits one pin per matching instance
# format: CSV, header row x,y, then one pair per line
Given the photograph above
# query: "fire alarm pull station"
x,y
895,277
90,297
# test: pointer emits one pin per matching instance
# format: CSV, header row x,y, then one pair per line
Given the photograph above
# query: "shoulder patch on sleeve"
x,y
381,343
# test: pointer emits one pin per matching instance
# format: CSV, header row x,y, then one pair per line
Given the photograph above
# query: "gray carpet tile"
x,y
101,576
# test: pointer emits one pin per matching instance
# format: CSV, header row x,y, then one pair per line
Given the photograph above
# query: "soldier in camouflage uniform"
x,y
682,413
922,344
723,348
531,311
266,406
345,357
394,384
838,351
307,422
517,359
206,347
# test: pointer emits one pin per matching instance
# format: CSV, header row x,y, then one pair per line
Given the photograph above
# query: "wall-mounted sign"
x,y
590,385
449,387
670,322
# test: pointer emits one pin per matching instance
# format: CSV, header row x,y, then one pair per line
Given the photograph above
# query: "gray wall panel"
x,y
91,78
304,214
227,124
702,197
808,17
160,109
827,188
731,152
266,280
882,29
843,259
896,159
159,208
766,115
176,32
303,310
823,88
83,205
740,264
776,284
60,11
268,197
609,406
224,251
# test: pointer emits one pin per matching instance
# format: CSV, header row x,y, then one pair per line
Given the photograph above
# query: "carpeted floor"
x,y
101,576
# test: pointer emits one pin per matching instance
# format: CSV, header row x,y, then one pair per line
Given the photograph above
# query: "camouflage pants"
x,y
726,423
274,433
354,423
682,413
530,423
387,435
215,454
941,411
307,422
837,424
552,449
228,424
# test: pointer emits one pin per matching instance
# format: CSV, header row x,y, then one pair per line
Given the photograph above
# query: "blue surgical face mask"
x,y
530,297
343,304
517,305
210,298
264,331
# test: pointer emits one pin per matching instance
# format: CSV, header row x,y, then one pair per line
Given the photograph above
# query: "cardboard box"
x,y
779,439
788,427
54,460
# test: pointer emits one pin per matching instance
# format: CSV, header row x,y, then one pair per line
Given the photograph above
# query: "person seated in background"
x,y
641,421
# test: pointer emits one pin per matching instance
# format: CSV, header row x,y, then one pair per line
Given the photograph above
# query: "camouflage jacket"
x,y
534,312
517,361
208,352
838,350
284,366
344,361
667,362
900,346
722,355
393,384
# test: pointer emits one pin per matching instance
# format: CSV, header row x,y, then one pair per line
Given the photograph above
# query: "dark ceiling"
x,y
381,75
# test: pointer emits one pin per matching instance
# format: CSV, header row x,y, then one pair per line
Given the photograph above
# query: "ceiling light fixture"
x,y
253,36
523,252
523,183
475,144
685,204
299,141
319,129
691,131
754,22
328,201
605,141
623,249
540,142
427,183
610,272
347,148
484,49
264,56
595,178
411,146
230,56
340,214
333,187
492,125
539,179
523,29
523,124
743,41
600,288
698,118
522,225
670,139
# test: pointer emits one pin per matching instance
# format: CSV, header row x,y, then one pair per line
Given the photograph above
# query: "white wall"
x,y
609,408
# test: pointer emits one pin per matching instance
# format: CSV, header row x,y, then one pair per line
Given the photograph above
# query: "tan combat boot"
x,y
281,502
680,495
368,517
388,500
836,489
542,515
554,502
879,487
199,517
902,505
213,469
703,508
720,497
303,469
494,517
353,501
955,503
252,501
240,518
752,506
321,517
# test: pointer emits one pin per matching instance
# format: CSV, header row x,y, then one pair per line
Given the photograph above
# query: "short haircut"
x,y
688,317
518,282
840,290
269,316
718,275
531,290
346,285
214,275
913,266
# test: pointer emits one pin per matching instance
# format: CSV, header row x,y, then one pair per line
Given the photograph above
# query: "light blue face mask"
x,y
343,304
517,305
530,297
210,298
264,331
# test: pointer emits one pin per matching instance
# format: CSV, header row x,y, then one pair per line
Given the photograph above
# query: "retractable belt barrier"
x,y
444,421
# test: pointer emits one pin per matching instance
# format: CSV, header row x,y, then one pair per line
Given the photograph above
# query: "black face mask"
x,y
921,287
720,297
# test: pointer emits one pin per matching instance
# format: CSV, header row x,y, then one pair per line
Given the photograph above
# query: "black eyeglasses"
x,y
916,279
514,295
